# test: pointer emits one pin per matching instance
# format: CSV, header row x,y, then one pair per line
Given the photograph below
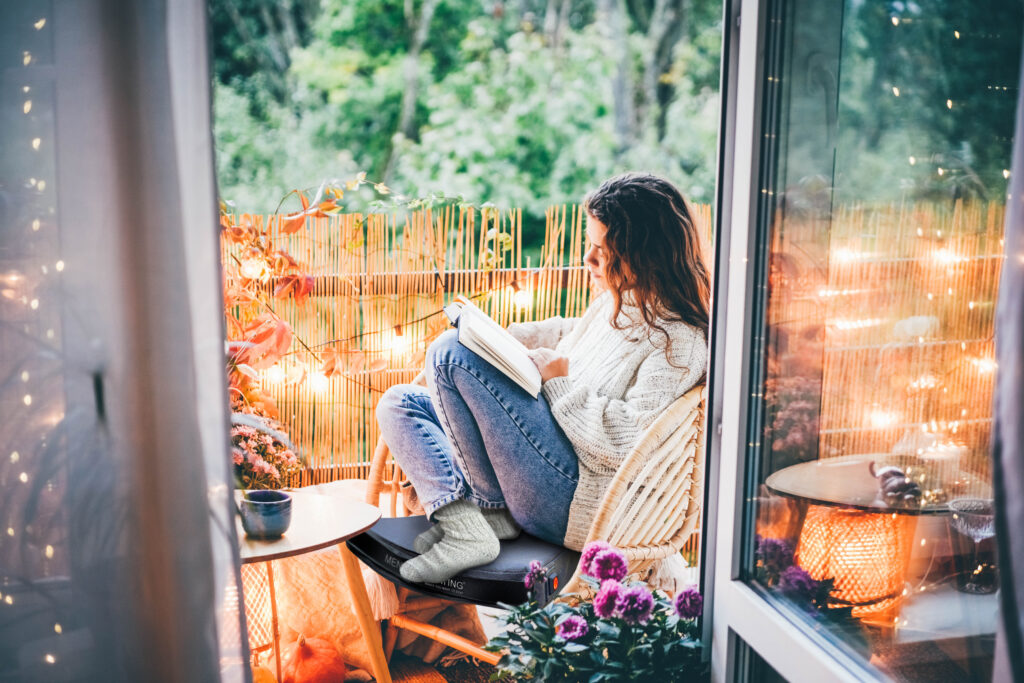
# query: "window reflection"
x,y
885,160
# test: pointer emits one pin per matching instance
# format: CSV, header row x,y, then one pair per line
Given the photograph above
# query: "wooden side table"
x,y
318,522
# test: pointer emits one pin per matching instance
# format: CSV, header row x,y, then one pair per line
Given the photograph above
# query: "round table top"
x,y
318,521
845,481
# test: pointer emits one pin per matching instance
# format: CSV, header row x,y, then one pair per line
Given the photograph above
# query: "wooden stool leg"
x,y
364,614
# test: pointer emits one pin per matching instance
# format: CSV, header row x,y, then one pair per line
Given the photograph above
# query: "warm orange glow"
x,y
865,552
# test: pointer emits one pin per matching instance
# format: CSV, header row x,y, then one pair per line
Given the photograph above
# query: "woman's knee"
x,y
443,348
393,404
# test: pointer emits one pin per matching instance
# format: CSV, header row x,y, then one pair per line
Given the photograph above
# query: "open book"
x,y
479,333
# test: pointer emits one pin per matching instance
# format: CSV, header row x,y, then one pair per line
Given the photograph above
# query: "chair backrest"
x,y
653,503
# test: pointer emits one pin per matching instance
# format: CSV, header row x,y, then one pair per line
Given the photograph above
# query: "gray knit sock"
x,y
502,524
468,541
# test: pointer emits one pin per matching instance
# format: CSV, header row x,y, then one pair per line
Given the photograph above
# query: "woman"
x,y
487,459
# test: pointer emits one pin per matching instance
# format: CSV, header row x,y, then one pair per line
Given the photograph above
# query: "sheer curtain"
x,y
1008,433
117,548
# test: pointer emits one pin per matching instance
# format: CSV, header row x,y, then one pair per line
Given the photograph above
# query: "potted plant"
x,y
627,633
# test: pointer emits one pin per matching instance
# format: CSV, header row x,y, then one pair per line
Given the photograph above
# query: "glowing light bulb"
x,y
57,628
50,659
15,456
48,552
59,266
40,24
35,225
895,21
34,304
395,342
956,34
23,477
986,366
1006,173
27,107
318,382
895,91
275,374
10,531
949,104
24,375
970,305
523,298
36,142
42,185
27,399
912,160
26,58
881,418
941,171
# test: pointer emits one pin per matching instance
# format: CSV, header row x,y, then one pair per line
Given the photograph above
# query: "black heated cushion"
x,y
389,543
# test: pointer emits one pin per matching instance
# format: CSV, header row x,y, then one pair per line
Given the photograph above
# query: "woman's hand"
x,y
550,363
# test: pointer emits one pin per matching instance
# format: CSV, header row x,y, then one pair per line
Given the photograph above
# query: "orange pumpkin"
x,y
313,660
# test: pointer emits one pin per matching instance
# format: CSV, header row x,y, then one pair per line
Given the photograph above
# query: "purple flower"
x,y
606,599
609,564
589,552
572,627
536,575
796,581
635,604
689,603
774,554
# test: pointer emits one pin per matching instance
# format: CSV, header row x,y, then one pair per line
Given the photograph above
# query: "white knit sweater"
x,y
619,381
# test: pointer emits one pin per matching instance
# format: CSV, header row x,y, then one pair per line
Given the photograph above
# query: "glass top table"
x,y
846,481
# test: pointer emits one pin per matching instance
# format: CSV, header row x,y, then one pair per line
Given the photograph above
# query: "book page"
x,y
480,333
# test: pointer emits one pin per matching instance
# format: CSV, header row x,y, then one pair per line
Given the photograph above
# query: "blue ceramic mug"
x,y
265,514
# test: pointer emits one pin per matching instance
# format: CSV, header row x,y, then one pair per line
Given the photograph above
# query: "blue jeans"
x,y
475,434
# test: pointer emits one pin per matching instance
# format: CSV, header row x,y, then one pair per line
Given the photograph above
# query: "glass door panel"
x,y
885,152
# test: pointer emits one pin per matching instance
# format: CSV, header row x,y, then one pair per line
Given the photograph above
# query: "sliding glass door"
x,y
866,198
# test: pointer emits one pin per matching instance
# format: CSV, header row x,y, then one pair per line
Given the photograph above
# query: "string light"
x,y
59,266
912,160
15,457
881,419
24,375
956,34
35,225
523,298
57,628
23,477
27,107
1006,173
40,24
941,171
50,659
318,382
895,21
275,374
48,552
27,399
26,57
895,91
949,104
36,142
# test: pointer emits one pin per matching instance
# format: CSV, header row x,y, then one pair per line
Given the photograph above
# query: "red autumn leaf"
x,y
285,284
271,338
292,224
333,361
304,199
281,262
303,288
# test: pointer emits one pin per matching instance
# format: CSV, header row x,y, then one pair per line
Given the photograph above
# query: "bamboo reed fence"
x,y
897,303
379,288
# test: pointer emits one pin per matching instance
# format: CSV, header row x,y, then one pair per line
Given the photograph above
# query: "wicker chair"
x,y
649,511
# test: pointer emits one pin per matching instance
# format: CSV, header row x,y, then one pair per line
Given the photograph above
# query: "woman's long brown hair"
x,y
654,251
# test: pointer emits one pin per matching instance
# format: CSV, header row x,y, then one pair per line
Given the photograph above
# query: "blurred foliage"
x,y
510,104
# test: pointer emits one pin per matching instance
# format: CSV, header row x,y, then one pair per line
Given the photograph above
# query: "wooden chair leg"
x,y
364,615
